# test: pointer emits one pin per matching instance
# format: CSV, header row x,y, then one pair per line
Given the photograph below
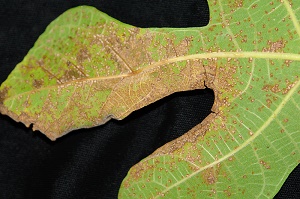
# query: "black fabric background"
x,y
91,163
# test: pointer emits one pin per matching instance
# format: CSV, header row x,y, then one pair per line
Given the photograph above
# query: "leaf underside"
x,y
87,68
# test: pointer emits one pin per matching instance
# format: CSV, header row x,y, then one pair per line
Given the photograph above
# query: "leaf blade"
x,y
248,141
76,62
245,69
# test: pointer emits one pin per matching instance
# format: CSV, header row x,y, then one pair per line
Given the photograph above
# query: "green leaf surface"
x,y
247,148
87,68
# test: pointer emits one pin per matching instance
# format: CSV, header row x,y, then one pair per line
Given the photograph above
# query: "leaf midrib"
x,y
259,55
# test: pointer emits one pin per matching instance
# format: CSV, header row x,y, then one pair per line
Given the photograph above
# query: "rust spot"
x,y
261,108
237,4
289,86
231,158
210,175
227,191
83,55
71,75
254,6
269,102
38,83
276,46
285,120
274,88
265,164
212,28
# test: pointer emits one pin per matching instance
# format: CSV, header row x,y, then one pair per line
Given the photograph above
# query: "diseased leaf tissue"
x,y
87,68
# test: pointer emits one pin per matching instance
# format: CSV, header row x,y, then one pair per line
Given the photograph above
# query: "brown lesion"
x,y
130,51
274,88
82,55
75,70
37,83
3,94
265,164
289,86
73,73
210,175
276,46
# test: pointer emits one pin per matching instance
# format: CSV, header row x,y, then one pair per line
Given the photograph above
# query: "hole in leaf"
x,y
167,119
